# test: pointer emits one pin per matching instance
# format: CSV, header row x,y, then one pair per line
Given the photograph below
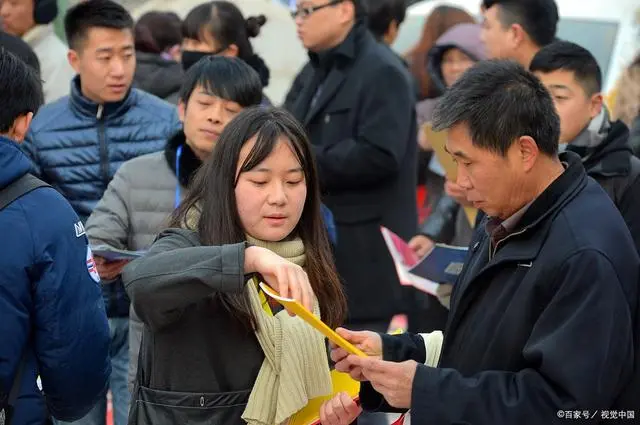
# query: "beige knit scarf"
x,y
295,368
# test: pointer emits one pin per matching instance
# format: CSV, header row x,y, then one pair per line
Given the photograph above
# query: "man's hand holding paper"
x,y
368,342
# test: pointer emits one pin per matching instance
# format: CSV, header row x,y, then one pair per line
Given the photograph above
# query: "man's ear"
x,y
392,32
528,152
596,102
348,12
74,60
18,131
518,34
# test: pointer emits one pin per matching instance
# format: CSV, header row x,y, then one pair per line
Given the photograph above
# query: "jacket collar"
x,y
527,239
609,157
530,232
189,162
86,107
343,53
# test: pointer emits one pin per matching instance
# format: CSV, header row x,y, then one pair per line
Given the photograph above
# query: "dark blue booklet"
x,y
442,265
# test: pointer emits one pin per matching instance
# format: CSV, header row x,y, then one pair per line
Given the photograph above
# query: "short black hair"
x,y
500,101
20,89
94,14
539,18
567,56
19,48
380,14
228,78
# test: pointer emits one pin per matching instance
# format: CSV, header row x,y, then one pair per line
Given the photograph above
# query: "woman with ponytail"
x,y
219,28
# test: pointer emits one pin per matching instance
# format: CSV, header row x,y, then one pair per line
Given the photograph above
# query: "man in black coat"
x,y
544,316
358,106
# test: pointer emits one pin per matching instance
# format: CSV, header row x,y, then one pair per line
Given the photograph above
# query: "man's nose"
x,y
214,114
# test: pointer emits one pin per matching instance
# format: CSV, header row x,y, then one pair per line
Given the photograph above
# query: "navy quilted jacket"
x,y
77,145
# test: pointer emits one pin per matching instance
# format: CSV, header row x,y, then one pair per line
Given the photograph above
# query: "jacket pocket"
x,y
335,126
157,407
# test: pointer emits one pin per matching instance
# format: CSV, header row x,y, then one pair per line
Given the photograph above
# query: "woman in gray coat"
x,y
146,190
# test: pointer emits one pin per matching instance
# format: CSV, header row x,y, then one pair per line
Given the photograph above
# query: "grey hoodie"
x,y
465,37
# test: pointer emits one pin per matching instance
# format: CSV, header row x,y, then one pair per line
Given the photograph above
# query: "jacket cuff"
x,y
403,347
424,396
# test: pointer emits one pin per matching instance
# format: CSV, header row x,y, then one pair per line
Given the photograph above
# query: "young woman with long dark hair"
x,y
213,351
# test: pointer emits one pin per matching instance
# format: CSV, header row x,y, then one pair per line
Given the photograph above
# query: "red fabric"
x,y
423,207
400,421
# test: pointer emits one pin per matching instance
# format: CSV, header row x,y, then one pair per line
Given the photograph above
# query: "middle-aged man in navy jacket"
x,y
544,315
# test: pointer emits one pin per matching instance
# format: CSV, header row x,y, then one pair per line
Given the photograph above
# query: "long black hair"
x,y
212,195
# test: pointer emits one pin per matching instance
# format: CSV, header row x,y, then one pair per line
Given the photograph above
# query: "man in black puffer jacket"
x,y
573,77
78,143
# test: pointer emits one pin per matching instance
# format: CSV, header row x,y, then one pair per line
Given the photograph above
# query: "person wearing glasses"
x,y
357,105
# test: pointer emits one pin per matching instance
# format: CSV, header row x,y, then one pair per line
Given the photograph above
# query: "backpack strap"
x,y
19,188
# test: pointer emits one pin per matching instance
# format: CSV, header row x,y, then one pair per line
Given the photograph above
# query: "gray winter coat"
x,y
134,209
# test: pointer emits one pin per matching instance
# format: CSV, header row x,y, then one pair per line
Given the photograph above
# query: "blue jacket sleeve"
x,y
580,349
71,331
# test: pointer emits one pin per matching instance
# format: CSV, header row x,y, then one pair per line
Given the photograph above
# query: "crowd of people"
x,y
153,140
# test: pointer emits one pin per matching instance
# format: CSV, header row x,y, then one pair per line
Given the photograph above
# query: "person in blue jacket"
x,y
53,325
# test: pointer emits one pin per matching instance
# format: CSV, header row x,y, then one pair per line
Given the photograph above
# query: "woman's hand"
x,y
421,245
340,410
289,279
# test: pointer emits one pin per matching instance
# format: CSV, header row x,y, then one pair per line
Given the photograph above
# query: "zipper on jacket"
x,y
492,252
104,153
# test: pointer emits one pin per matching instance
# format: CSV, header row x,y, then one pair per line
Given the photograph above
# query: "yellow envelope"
x,y
297,309
310,414
438,140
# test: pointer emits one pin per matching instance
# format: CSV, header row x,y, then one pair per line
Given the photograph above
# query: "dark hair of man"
x,y
227,78
499,101
20,90
380,14
155,32
567,56
94,14
212,194
539,18
19,48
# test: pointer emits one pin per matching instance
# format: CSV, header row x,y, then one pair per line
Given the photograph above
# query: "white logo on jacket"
x,y
79,228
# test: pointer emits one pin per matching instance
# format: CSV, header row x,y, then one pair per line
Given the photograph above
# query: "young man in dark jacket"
x,y
78,143
53,324
543,320
573,77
